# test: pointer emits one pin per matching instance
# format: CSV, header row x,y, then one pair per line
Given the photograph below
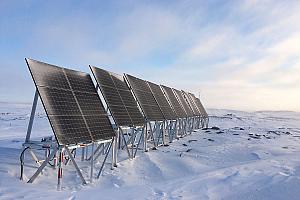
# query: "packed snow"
x,y
243,155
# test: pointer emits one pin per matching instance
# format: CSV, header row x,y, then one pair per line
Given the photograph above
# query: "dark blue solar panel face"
x,y
145,98
162,101
183,102
71,103
174,102
190,103
118,97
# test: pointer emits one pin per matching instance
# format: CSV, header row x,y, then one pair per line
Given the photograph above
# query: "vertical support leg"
x,y
141,136
33,109
115,149
82,153
86,152
92,163
132,142
163,132
145,136
60,171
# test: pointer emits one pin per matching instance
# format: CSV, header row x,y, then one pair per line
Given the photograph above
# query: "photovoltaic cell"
x,y
191,103
180,113
118,97
183,102
161,100
145,98
72,104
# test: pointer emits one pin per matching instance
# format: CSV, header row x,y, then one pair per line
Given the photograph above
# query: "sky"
x,y
242,55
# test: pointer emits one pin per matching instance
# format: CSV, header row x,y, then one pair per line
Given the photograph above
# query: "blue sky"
x,y
238,54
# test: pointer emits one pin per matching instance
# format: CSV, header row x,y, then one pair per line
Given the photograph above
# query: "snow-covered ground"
x,y
253,156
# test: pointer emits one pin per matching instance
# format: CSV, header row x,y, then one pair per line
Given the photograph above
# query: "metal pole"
x,y
33,109
92,163
59,173
145,136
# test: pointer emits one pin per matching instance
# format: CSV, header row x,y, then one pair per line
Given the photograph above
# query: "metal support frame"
x,y
131,144
50,147
155,132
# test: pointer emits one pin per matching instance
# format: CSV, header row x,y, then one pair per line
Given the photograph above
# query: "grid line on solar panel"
x,y
183,102
117,95
145,98
63,110
162,101
190,103
174,102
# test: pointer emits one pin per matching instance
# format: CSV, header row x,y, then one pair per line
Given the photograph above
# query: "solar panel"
x,y
183,102
72,104
201,107
145,98
161,100
191,103
174,102
194,102
119,98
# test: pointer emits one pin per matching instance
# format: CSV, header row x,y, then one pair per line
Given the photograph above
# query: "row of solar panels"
x,y
77,115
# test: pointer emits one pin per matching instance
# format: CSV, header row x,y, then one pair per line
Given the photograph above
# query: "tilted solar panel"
x,y
161,100
119,98
191,103
200,106
194,100
183,102
145,98
72,104
180,113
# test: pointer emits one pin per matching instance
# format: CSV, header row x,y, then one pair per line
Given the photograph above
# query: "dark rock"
x,y
184,144
211,140
215,128
192,141
188,150
219,132
255,137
